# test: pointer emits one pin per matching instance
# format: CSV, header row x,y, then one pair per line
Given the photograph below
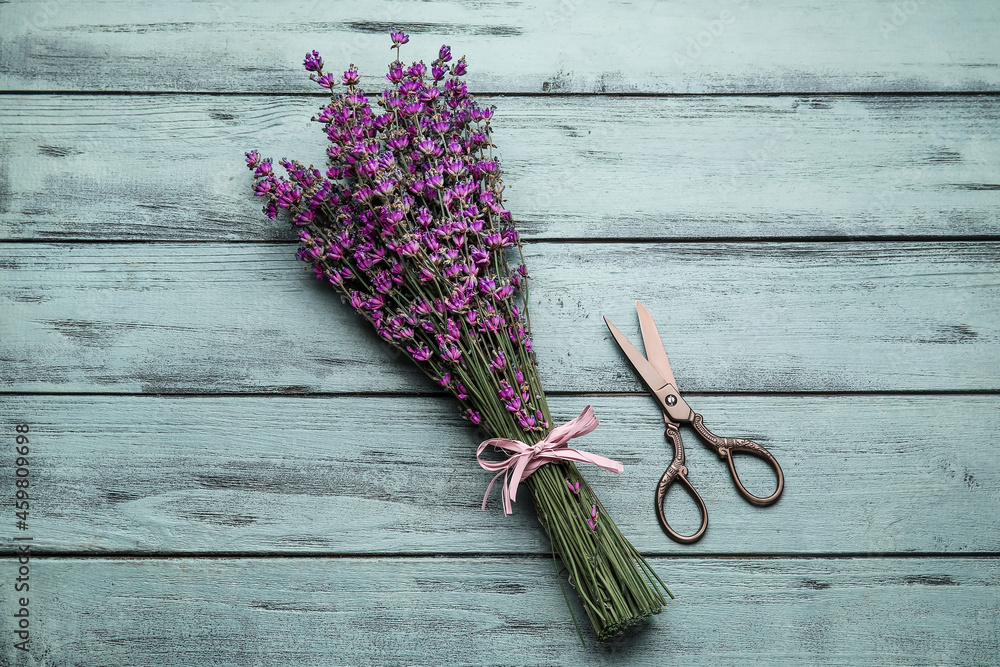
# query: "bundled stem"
x,y
615,584
408,224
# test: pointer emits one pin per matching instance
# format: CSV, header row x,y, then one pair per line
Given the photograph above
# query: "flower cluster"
x,y
407,221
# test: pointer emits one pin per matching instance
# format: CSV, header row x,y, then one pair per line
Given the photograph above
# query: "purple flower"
x,y
313,63
428,147
263,168
262,187
493,323
506,392
385,187
409,248
592,521
421,352
502,293
573,486
406,219
498,362
413,108
383,283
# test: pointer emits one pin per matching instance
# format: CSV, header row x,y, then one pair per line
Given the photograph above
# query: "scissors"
x,y
656,374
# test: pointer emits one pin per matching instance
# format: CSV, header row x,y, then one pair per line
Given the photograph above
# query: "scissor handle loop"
x,y
725,448
677,472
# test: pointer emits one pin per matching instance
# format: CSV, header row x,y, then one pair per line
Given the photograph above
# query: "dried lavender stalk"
x,y
407,222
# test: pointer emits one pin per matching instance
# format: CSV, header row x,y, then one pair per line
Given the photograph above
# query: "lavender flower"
x,y
351,76
498,362
407,222
312,62
592,521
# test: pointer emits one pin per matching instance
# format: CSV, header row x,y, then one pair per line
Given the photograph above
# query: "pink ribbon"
x,y
526,459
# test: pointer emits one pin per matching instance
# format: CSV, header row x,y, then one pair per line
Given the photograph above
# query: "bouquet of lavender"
x,y
407,222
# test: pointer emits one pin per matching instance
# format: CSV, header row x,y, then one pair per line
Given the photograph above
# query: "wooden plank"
x,y
318,611
359,475
150,167
557,46
157,318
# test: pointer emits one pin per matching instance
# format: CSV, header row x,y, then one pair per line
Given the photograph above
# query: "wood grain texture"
x,y
555,46
185,519
319,611
157,318
140,167
393,475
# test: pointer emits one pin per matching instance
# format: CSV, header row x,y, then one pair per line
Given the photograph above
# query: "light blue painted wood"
x,y
891,475
554,46
737,317
420,611
149,167
397,475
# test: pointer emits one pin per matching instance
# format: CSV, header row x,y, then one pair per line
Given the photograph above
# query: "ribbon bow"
x,y
526,459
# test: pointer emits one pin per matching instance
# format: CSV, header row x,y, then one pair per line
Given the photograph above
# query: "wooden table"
x,y
227,468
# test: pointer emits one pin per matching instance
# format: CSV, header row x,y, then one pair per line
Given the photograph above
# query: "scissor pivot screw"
x,y
671,400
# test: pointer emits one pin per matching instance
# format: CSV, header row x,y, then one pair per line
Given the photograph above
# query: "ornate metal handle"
x,y
725,447
677,472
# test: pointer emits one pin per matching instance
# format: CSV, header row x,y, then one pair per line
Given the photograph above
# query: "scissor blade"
x,y
651,340
654,381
